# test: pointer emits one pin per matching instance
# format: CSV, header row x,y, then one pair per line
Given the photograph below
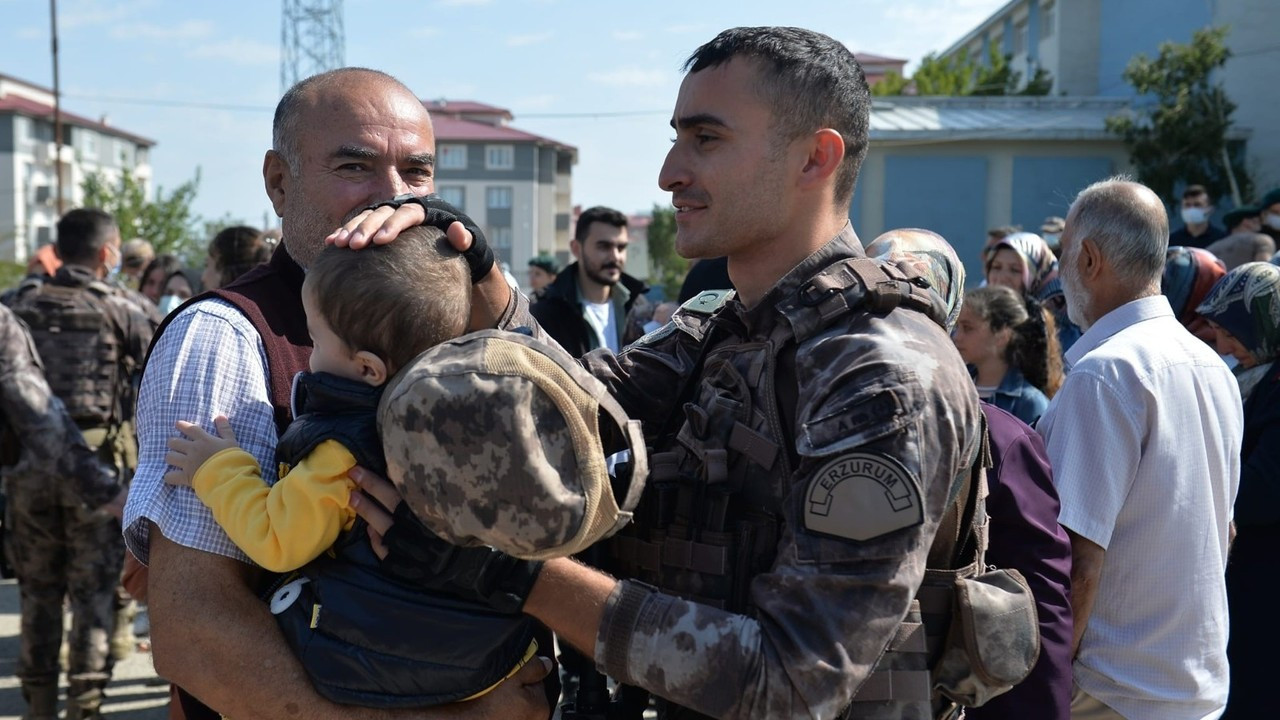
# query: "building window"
x,y
90,145
453,157
500,236
498,198
499,157
1020,39
1047,11
455,195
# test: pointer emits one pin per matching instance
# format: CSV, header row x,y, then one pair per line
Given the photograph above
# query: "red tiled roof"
x,y
864,58
32,108
451,128
467,107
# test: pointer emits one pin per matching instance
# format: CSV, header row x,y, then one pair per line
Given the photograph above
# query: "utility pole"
x,y
57,105
311,39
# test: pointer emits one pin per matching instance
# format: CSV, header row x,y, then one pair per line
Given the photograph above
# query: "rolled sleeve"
x,y
210,361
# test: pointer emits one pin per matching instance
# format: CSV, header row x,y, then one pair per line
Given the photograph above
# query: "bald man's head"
x,y
292,110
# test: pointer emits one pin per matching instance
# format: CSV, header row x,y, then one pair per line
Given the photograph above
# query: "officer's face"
x,y
727,169
361,140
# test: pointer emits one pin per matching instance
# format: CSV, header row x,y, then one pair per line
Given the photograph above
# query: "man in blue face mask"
x,y
1197,231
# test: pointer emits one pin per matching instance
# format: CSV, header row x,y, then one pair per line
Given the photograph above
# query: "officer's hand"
x,y
190,450
411,552
382,223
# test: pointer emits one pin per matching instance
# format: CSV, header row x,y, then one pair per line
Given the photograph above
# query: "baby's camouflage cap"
x,y
494,439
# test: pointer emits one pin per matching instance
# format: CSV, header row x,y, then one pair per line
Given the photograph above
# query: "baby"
x,y
364,637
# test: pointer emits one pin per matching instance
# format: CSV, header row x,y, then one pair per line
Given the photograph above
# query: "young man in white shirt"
x,y
593,303
1144,437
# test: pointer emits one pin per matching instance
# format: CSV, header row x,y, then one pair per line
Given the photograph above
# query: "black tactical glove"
x,y
417,555
441,214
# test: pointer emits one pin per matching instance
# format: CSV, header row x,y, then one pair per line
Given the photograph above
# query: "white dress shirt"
x,y
1144,438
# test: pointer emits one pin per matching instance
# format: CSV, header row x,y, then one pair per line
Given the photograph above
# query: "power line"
x,y
154,102
198,105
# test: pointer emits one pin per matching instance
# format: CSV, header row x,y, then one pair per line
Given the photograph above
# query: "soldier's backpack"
x,y
81,348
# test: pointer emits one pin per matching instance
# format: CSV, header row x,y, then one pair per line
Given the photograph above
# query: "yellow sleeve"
x,y
285,526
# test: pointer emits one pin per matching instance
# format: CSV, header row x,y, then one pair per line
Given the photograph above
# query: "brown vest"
x,y
270,296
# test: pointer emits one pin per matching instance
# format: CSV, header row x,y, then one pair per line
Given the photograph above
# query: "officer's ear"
x,y
373,369
825,152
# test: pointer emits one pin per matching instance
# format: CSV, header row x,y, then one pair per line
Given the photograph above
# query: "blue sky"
x,y
201,78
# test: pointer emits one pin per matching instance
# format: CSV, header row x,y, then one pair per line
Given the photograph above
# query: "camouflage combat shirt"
x,y
877,394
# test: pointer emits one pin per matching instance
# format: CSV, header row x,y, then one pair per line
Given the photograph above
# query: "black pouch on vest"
x,y
993,642
366,639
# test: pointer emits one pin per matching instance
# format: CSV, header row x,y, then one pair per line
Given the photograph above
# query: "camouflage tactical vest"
x,y
709,521
81,348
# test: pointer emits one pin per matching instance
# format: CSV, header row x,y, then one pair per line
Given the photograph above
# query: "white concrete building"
x,y
1086,44
29,162
514,184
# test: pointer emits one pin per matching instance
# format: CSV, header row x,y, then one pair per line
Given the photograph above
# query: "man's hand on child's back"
x,y
194,447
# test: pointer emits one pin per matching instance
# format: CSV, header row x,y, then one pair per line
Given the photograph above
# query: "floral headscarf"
x,y
1039,264
929,254
1189,274
1246,303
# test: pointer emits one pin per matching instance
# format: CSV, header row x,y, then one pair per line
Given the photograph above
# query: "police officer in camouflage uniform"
x,y
92,339
810,434
43,449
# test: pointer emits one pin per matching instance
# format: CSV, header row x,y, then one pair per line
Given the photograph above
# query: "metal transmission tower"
x,y
311,39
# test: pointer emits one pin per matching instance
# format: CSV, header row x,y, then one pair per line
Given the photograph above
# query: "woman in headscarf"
x,y
1244,311
1022,506
1024,262
930,255
1189,274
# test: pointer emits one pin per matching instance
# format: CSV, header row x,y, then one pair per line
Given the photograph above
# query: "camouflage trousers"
x,y
60,551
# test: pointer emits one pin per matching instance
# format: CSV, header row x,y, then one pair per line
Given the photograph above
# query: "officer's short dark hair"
x,y
810,80
396,300
596,214
82,233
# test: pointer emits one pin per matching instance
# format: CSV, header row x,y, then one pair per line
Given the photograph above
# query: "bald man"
x,y
341,140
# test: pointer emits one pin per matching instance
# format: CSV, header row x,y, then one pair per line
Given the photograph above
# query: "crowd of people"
x,y
357,473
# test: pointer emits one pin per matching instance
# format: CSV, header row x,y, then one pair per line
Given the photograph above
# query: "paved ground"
x,y
135,693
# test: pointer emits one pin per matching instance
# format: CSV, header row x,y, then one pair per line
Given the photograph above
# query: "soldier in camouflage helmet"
x,y
809,432
50,475
92,338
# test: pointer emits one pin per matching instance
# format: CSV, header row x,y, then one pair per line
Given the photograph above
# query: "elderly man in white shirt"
x,y
1144,437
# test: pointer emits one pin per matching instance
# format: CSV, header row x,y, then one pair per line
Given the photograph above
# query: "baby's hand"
x,y
195,446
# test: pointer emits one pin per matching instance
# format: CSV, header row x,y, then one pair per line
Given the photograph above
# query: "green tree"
x,y
997,76
960,75
668,266
891,84
944,76
167,222
1180,134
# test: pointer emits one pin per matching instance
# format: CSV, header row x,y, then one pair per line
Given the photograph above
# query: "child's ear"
x,y
372,368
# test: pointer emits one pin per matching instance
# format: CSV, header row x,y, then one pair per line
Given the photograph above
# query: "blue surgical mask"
x,y
1194,215
168,303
